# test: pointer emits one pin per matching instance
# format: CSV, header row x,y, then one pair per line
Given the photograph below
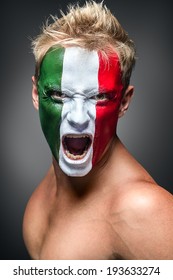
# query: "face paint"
x,y
49,83
107,107
79,95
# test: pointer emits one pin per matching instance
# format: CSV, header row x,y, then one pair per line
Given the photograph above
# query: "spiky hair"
x,y
91,26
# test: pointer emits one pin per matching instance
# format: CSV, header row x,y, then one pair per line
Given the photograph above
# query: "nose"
x,y
78,116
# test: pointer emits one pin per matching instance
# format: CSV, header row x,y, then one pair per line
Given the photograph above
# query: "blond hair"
x,y
92,27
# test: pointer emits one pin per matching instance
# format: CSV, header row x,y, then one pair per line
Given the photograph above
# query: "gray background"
x,y
146,129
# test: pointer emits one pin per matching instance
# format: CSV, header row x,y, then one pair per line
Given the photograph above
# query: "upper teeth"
x,y
76,136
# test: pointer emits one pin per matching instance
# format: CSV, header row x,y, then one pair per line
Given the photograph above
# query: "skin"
x,y
116,211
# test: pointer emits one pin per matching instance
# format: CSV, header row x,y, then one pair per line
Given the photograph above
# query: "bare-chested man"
x,y
96,201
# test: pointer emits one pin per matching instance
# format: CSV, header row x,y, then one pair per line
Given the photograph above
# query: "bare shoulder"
x,y
143,217
34,221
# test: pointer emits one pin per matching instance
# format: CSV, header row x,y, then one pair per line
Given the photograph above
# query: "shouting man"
x,y
96,201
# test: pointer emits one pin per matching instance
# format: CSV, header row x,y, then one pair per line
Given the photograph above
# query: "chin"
x,y
75,168
74,171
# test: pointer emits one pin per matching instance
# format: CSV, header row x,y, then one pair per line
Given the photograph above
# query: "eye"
x,y
55,95
101,97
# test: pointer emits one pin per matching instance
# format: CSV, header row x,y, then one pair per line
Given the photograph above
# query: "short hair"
x,y
91,26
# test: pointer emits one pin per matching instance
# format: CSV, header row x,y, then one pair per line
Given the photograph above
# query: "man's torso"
x,y
103,224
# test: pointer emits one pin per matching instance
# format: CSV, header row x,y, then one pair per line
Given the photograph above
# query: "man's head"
x,y
81,85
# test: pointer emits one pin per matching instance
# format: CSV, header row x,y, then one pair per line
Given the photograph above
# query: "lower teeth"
x,y
71,156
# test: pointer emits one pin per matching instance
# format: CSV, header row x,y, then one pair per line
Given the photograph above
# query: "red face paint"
x,y
110,84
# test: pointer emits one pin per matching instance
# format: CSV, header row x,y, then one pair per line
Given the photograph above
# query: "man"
x,y
96,201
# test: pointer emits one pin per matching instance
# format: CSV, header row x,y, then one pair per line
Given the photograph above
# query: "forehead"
x,y
76,68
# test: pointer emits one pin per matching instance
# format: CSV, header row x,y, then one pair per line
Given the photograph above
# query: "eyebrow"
x,y
89,93
51,86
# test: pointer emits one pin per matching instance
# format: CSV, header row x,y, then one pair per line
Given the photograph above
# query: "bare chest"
x,y
76,236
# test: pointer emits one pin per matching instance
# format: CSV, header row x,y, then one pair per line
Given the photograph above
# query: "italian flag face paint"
x,y
79,99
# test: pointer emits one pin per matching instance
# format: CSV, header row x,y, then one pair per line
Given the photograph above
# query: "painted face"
x,y
79,99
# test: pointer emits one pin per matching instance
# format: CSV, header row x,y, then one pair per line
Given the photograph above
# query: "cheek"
x,y
50,118
105,128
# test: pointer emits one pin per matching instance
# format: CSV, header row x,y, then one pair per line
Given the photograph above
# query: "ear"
x,y
125,101
35,98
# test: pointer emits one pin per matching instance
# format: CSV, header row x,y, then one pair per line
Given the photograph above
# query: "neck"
x,y
78,186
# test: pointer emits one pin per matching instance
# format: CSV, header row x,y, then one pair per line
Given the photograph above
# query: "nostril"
x,y
78,121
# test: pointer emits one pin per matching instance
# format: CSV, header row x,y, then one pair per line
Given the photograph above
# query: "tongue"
x,y
76,146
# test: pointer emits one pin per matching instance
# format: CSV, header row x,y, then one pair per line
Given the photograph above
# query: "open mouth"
x,y
76,146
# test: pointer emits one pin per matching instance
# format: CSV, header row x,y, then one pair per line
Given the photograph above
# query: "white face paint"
x,y
79,84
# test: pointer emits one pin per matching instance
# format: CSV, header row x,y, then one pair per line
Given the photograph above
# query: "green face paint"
x,y
50,108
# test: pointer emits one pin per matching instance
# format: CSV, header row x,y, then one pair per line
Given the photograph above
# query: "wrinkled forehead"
x,y
80,68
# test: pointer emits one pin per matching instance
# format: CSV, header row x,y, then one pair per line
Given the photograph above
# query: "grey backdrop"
x,y
146,129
